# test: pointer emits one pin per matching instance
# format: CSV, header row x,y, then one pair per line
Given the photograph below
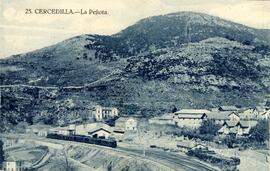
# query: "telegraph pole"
x,y
0,98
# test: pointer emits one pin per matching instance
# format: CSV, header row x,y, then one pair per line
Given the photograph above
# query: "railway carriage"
x,y
85,139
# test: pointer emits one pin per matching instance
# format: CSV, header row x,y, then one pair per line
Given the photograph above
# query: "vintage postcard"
x,y
134,85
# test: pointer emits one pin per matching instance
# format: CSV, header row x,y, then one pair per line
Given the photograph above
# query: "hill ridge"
x,y
146,69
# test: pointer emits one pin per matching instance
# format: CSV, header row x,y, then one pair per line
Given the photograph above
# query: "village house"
x,y
100,113
234,116
250,113
240,128
96,130
100,133
221,116
126,124
166,119
263,112
13,165
264,115
68,130
190,117
38,129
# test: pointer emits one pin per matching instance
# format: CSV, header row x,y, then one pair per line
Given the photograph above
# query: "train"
x,y
85,139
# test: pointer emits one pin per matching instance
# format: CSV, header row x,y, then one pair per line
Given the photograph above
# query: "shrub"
x,y
2,158
224,163
209,127
259,133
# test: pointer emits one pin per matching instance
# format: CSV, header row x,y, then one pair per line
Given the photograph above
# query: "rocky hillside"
x,y
179,59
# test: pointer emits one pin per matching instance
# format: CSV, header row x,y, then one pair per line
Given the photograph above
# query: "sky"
x,y
21,33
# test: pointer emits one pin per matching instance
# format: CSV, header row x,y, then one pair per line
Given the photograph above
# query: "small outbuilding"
x,y
200,147
100,133
38,129
126,124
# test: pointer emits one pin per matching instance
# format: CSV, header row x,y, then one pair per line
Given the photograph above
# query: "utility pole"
x,y
0,98
140,139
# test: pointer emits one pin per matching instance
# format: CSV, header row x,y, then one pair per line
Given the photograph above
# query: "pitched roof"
x,y
221,130
234,113
98,129
265,113
103,108
243,124
199,144
231,123
167,116
246,124
108,108
228,108
192,111
190,116
259,108
95,126
219,115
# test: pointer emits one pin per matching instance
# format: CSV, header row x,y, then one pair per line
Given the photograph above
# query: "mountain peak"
x,y
179,28
201,18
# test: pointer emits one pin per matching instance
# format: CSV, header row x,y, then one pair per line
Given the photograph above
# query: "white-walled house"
x,y
222,116
250,113
99,112
233,116
190,117
239,128
97,129
126,124
100,133
264,115
12,165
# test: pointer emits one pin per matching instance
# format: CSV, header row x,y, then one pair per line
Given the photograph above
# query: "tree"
x,y
209,127
2,158
174,109
259,133
230,140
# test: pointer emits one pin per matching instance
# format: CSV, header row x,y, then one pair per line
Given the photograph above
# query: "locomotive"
x,y
85,139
